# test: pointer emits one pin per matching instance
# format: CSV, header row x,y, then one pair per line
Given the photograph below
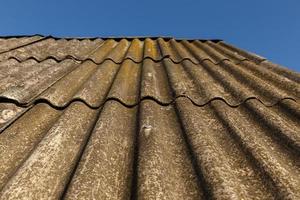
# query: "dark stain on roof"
x,y
145,118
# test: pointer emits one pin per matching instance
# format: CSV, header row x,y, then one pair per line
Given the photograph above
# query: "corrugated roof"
x,y
162,70
145,118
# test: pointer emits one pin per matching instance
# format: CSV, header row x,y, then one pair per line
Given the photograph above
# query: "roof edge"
x,y
113,37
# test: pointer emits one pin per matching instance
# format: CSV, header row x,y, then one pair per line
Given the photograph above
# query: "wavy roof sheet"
x,y
145,118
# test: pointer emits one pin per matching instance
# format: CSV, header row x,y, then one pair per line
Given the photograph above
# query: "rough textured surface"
x,y
152,151
147,118
47,169
13,42
165,169
155,68
105,170
9,112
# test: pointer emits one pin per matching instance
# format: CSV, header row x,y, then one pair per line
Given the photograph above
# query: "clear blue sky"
x,y
270,28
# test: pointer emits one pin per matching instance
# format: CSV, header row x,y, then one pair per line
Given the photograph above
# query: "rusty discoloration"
x,y
124,88
151,49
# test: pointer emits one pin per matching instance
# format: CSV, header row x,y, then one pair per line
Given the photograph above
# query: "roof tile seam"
x,y
157,61
128,105
241,62
247,55
210,50
9,123
35,99
48,103
166,57
125,56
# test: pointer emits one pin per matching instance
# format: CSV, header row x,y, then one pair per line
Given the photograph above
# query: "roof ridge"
x,y
112,37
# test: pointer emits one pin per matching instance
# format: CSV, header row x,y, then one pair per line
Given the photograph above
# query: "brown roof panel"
x,y
23,82
13,43
31,81
145,118
53,158
58,49
282,71
253,130
174,151
241,52
111,150
99,50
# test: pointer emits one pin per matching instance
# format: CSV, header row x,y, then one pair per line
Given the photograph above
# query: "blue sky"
x,y
270,28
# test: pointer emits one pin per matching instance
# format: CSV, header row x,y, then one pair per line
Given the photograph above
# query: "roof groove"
x,y
281,129
252,81
27,155
233,55
287,186
265,73
13,164
218,155
281,71
248,55
202,181
53,142
136,143
81,153
234,133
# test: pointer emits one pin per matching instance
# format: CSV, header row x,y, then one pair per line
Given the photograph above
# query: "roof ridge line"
x,y
112,37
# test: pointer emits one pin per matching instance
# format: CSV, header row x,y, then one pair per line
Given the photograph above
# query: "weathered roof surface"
x,y
147,118
130,70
